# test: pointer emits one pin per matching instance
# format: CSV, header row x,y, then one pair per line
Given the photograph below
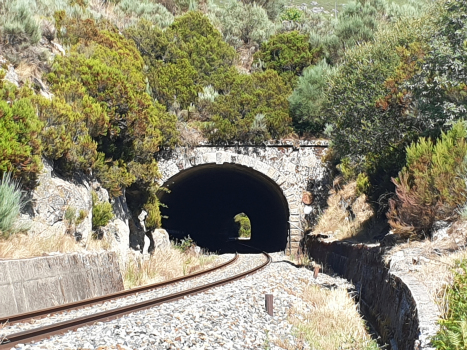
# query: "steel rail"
x,y
24,317
62,327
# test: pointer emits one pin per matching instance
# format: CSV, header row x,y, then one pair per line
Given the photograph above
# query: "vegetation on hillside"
x,y
453,332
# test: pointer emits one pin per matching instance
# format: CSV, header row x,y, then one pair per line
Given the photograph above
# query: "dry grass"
x,y
22,246
328,320
346,213
164,265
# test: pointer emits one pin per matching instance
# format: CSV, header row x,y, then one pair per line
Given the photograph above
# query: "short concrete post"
x,y
269,298
315,273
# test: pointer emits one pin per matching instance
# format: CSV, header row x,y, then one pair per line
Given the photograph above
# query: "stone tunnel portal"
x,y
203,201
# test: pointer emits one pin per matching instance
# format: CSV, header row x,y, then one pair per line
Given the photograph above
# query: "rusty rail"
x,y
62,327
102,299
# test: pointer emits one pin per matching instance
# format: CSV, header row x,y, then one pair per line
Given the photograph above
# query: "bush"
x,y
253,108
242,23
133,11
17,23
431,186
102,212
19,129
183,59
11,203
453,332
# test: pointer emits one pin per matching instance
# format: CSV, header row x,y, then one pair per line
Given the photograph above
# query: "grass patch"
x,y
22,246
328,320
164,265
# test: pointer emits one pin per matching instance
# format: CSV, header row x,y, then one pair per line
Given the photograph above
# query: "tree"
x,y
439,87
309,97
237,112
370,111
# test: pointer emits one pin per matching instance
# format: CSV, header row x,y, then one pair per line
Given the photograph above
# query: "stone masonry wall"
x,y
396,304
289,164
38,283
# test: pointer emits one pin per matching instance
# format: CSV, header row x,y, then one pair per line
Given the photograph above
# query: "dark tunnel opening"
x,y
203,201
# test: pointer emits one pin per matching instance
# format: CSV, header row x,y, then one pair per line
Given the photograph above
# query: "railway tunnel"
x,y
202,202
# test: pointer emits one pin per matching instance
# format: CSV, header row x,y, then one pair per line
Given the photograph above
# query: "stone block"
x,y
209,157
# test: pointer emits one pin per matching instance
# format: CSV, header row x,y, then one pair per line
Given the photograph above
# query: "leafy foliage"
x,y
243,23
182,59
308,99
439,88
370,111
431,186
453,332
17,23
236,113
288,54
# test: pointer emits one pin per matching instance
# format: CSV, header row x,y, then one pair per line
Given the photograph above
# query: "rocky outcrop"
x,y
55,199
64,206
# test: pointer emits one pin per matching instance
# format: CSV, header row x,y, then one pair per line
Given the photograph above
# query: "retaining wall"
x,y
396,305
38,283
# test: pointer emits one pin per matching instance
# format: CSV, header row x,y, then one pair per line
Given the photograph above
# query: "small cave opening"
x,y
212,203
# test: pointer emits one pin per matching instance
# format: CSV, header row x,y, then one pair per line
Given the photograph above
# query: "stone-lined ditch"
x,y
396,305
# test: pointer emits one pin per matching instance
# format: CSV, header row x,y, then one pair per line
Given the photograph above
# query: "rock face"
x,y
51,200
55,198
117,230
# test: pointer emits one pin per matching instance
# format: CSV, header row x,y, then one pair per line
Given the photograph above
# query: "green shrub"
x,y
244,23
184,58
309,97
133,11
370,111
102,212
244,225
363,184
245,98
17,23
453,332
185,244
11,203
287,53
431,186
19,129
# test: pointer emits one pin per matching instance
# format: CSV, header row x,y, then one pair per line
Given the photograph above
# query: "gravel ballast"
x,y
232,316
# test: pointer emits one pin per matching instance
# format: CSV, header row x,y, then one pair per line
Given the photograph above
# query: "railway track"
x,y
47,331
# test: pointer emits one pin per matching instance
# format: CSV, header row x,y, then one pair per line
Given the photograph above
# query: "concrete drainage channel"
x,y
397,306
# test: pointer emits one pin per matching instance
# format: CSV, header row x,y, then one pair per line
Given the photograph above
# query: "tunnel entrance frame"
x,y
289,164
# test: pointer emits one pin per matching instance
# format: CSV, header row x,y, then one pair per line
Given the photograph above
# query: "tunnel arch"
x,y
288,164
203,200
